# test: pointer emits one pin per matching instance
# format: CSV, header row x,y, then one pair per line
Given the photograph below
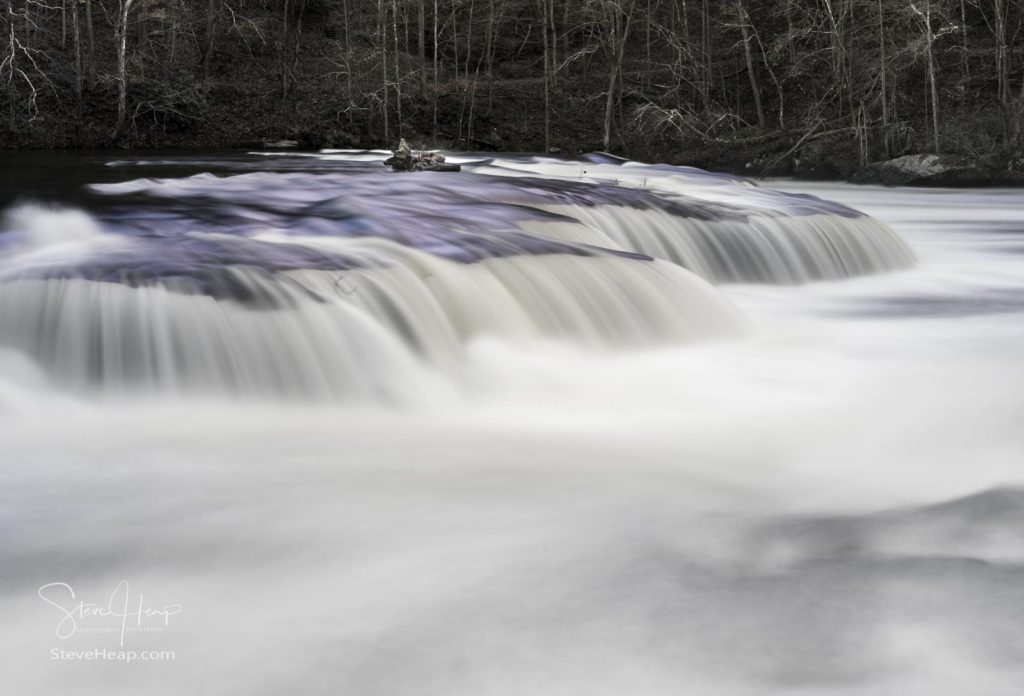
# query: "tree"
x,y
121,38
615,18
755,86
77,41
925,17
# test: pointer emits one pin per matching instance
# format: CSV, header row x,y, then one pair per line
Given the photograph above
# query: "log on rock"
x,y
406,160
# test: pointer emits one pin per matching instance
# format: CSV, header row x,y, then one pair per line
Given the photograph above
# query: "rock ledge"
x,y
925,170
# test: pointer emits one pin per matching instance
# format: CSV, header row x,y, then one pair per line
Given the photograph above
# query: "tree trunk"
x,y
421,43
467,84
618,33
554,38
610,97
933,84
297,43
348,65
77,39
755,85
489,55
547,75
966,62
172,41
383,43
121,35
286,10
9,87
883,79
398,66
91,54
212,12
1002,78
705,43
437,78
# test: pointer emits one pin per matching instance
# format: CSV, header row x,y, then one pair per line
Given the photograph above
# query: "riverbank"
x,y
833,157
228,114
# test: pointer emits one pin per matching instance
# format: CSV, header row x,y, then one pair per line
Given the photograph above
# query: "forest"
x,y
814,87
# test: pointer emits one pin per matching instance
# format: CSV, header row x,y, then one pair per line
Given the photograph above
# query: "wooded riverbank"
x,y
811,88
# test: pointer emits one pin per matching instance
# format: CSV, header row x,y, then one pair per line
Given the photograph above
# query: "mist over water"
x,y
533,469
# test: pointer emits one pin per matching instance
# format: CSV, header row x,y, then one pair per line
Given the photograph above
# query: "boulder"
x,y
925,170
405,160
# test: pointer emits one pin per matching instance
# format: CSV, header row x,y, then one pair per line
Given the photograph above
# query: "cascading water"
x,y
331,285
483,433
720,227
316,316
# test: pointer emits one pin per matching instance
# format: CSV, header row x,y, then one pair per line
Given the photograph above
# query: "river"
x,y
342,431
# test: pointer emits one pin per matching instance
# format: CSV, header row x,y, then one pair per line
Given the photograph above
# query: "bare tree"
x,y
547,74
121,38
421,43
398,65
91,53
213,11
77,40
925,17
755,85
616,19
382,43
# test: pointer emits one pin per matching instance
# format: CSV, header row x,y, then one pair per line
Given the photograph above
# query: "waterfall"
x,y
338,280
721,227
756,249
365,329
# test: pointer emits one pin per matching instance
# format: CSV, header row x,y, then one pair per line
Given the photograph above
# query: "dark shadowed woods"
x,y
784,86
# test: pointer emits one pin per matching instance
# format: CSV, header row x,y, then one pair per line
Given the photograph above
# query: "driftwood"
x,y
406,160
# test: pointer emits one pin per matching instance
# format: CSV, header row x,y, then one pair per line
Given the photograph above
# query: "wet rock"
x,y
406,160
925,170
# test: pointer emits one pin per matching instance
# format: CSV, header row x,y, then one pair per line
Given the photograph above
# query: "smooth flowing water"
x,y
541,427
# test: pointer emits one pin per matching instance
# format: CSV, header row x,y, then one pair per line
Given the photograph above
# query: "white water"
x,y
767,242
340,335
712,518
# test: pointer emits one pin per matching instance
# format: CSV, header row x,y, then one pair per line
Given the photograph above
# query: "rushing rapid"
x,y
720,227
346,282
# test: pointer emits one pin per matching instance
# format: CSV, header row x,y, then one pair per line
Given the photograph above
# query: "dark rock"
x,y
815,170
1010,177
497,142
925,170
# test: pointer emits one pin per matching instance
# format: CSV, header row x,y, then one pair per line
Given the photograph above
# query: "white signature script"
x,y
120,614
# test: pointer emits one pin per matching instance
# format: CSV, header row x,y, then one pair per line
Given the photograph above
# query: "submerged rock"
x,y
406,160
924,170
281,144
